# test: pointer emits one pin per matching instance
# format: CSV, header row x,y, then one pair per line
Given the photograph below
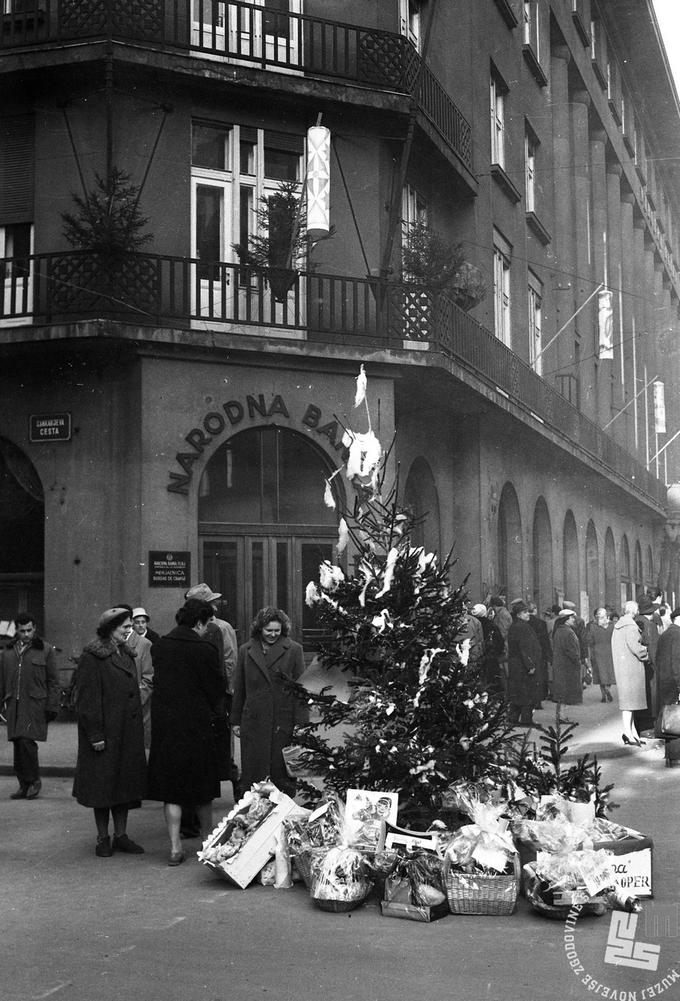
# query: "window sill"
x,y
504,183
535,224
531,59
507,13
601,77
583,32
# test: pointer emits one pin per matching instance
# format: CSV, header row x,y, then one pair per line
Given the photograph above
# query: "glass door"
x,y
253,571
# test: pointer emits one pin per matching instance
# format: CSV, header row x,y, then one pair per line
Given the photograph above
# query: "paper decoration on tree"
x,y
606,325
318,182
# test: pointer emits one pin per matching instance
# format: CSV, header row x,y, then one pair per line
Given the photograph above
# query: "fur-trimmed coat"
x,y
33,676
109,709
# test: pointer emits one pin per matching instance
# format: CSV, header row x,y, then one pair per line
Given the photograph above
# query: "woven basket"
x,y
475,893
303,864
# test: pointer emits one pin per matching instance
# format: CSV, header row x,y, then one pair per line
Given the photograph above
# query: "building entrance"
x,y
264,528
22,554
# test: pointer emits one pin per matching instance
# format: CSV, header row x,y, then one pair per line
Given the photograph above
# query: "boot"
x,y
21,791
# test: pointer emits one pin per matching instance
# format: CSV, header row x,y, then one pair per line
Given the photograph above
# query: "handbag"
x,y
669,721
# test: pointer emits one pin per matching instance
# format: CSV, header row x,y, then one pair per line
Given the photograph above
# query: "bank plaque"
x,y
49,427
169,569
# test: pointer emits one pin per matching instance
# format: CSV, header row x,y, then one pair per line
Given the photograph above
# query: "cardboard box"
x,y
633,863
411,912
257,849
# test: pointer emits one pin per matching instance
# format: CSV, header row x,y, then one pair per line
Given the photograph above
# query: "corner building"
x,y
172,414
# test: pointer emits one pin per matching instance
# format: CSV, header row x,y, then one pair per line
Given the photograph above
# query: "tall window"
x,y
501,287
233,168
535,299
498,92
530,26
530,150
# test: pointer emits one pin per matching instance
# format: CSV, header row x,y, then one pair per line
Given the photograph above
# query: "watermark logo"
x,y
623,950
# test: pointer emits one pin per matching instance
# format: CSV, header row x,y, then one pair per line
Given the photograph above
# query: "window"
x,y
413,209
535,291
530,25
498,92
530,149
16,247
410,21
501,287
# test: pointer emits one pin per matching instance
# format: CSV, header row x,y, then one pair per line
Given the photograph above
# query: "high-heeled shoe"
x,y
632,743
609,695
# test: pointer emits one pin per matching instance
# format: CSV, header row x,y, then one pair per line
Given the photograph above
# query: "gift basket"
x,y
321,829
482,871
338,878
584,878
415,888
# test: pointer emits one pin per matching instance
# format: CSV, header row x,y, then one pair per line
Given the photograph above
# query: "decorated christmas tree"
x,y
418,716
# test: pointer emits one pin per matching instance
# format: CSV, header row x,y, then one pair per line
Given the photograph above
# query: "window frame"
x,y
502,259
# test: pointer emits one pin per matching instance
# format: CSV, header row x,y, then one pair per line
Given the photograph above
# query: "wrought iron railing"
x,y
228,298
248,34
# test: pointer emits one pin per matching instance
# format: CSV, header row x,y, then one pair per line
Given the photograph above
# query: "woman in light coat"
x,y
629,655
265,711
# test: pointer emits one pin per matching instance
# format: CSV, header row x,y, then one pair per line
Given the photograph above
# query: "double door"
x,y
260,30
252,571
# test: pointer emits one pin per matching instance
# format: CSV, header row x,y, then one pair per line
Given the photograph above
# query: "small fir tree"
x,y
108,220
418,717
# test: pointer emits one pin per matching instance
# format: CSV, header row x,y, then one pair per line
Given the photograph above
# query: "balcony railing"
x,y
222,297
247,34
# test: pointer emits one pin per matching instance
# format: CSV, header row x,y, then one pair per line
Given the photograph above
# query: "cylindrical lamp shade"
x,y
318,182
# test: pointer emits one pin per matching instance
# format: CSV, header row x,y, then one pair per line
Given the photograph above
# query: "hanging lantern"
x,y
318,182
605,325
659,408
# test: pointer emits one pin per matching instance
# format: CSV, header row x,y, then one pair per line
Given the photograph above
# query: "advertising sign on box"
x,y
633,863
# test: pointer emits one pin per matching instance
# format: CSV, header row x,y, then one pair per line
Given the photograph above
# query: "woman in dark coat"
x,y
567,686
264,711
668,679
111,766
187,693
524,660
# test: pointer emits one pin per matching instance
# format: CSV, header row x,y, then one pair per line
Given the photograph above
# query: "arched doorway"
x,y
420,495
542,556
592,567
639,573
510,579
572,580
612,596
263,525
22,554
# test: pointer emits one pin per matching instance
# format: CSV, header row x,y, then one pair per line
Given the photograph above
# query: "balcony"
x,y
228,299
249,35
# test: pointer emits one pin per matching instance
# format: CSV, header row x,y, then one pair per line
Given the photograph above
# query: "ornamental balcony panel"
x,y
230,299
247,34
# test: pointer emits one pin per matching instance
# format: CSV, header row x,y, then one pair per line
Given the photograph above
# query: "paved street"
x,y
78,928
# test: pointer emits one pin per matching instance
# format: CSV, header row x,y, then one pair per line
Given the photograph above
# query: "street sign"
x,y
49,427
169,569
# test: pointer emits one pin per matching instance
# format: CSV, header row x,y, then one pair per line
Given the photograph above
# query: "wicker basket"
x,y
303,864
475,893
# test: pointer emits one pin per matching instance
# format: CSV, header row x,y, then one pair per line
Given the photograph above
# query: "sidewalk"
x,y
598,732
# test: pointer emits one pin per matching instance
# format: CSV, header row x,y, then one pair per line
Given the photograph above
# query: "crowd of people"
x,y
155,714
531,658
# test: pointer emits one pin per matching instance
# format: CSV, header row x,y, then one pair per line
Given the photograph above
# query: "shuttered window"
x,y
16,169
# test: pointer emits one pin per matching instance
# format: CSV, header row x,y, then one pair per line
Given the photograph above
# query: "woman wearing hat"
x,y
524,660
629,655
567,687
111,766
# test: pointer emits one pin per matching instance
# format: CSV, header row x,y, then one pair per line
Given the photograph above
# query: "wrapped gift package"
x,y
248,833
412,912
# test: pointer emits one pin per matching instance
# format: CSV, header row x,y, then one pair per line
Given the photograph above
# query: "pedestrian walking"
x,y
188,689
647,619
265,712
668,678
141,647
599,638
30,693
567,687
543,636
629,655
524,658
111,766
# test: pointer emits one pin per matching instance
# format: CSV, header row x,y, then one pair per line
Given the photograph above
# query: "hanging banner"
x,y
318,182
659,408
605,325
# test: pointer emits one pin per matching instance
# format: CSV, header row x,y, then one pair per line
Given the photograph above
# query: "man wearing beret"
x,y
31,694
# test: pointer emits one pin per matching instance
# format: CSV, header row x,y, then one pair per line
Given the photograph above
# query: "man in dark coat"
x,y
541,630
649,633
567,687
31,693
493,649
524,657
668,680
